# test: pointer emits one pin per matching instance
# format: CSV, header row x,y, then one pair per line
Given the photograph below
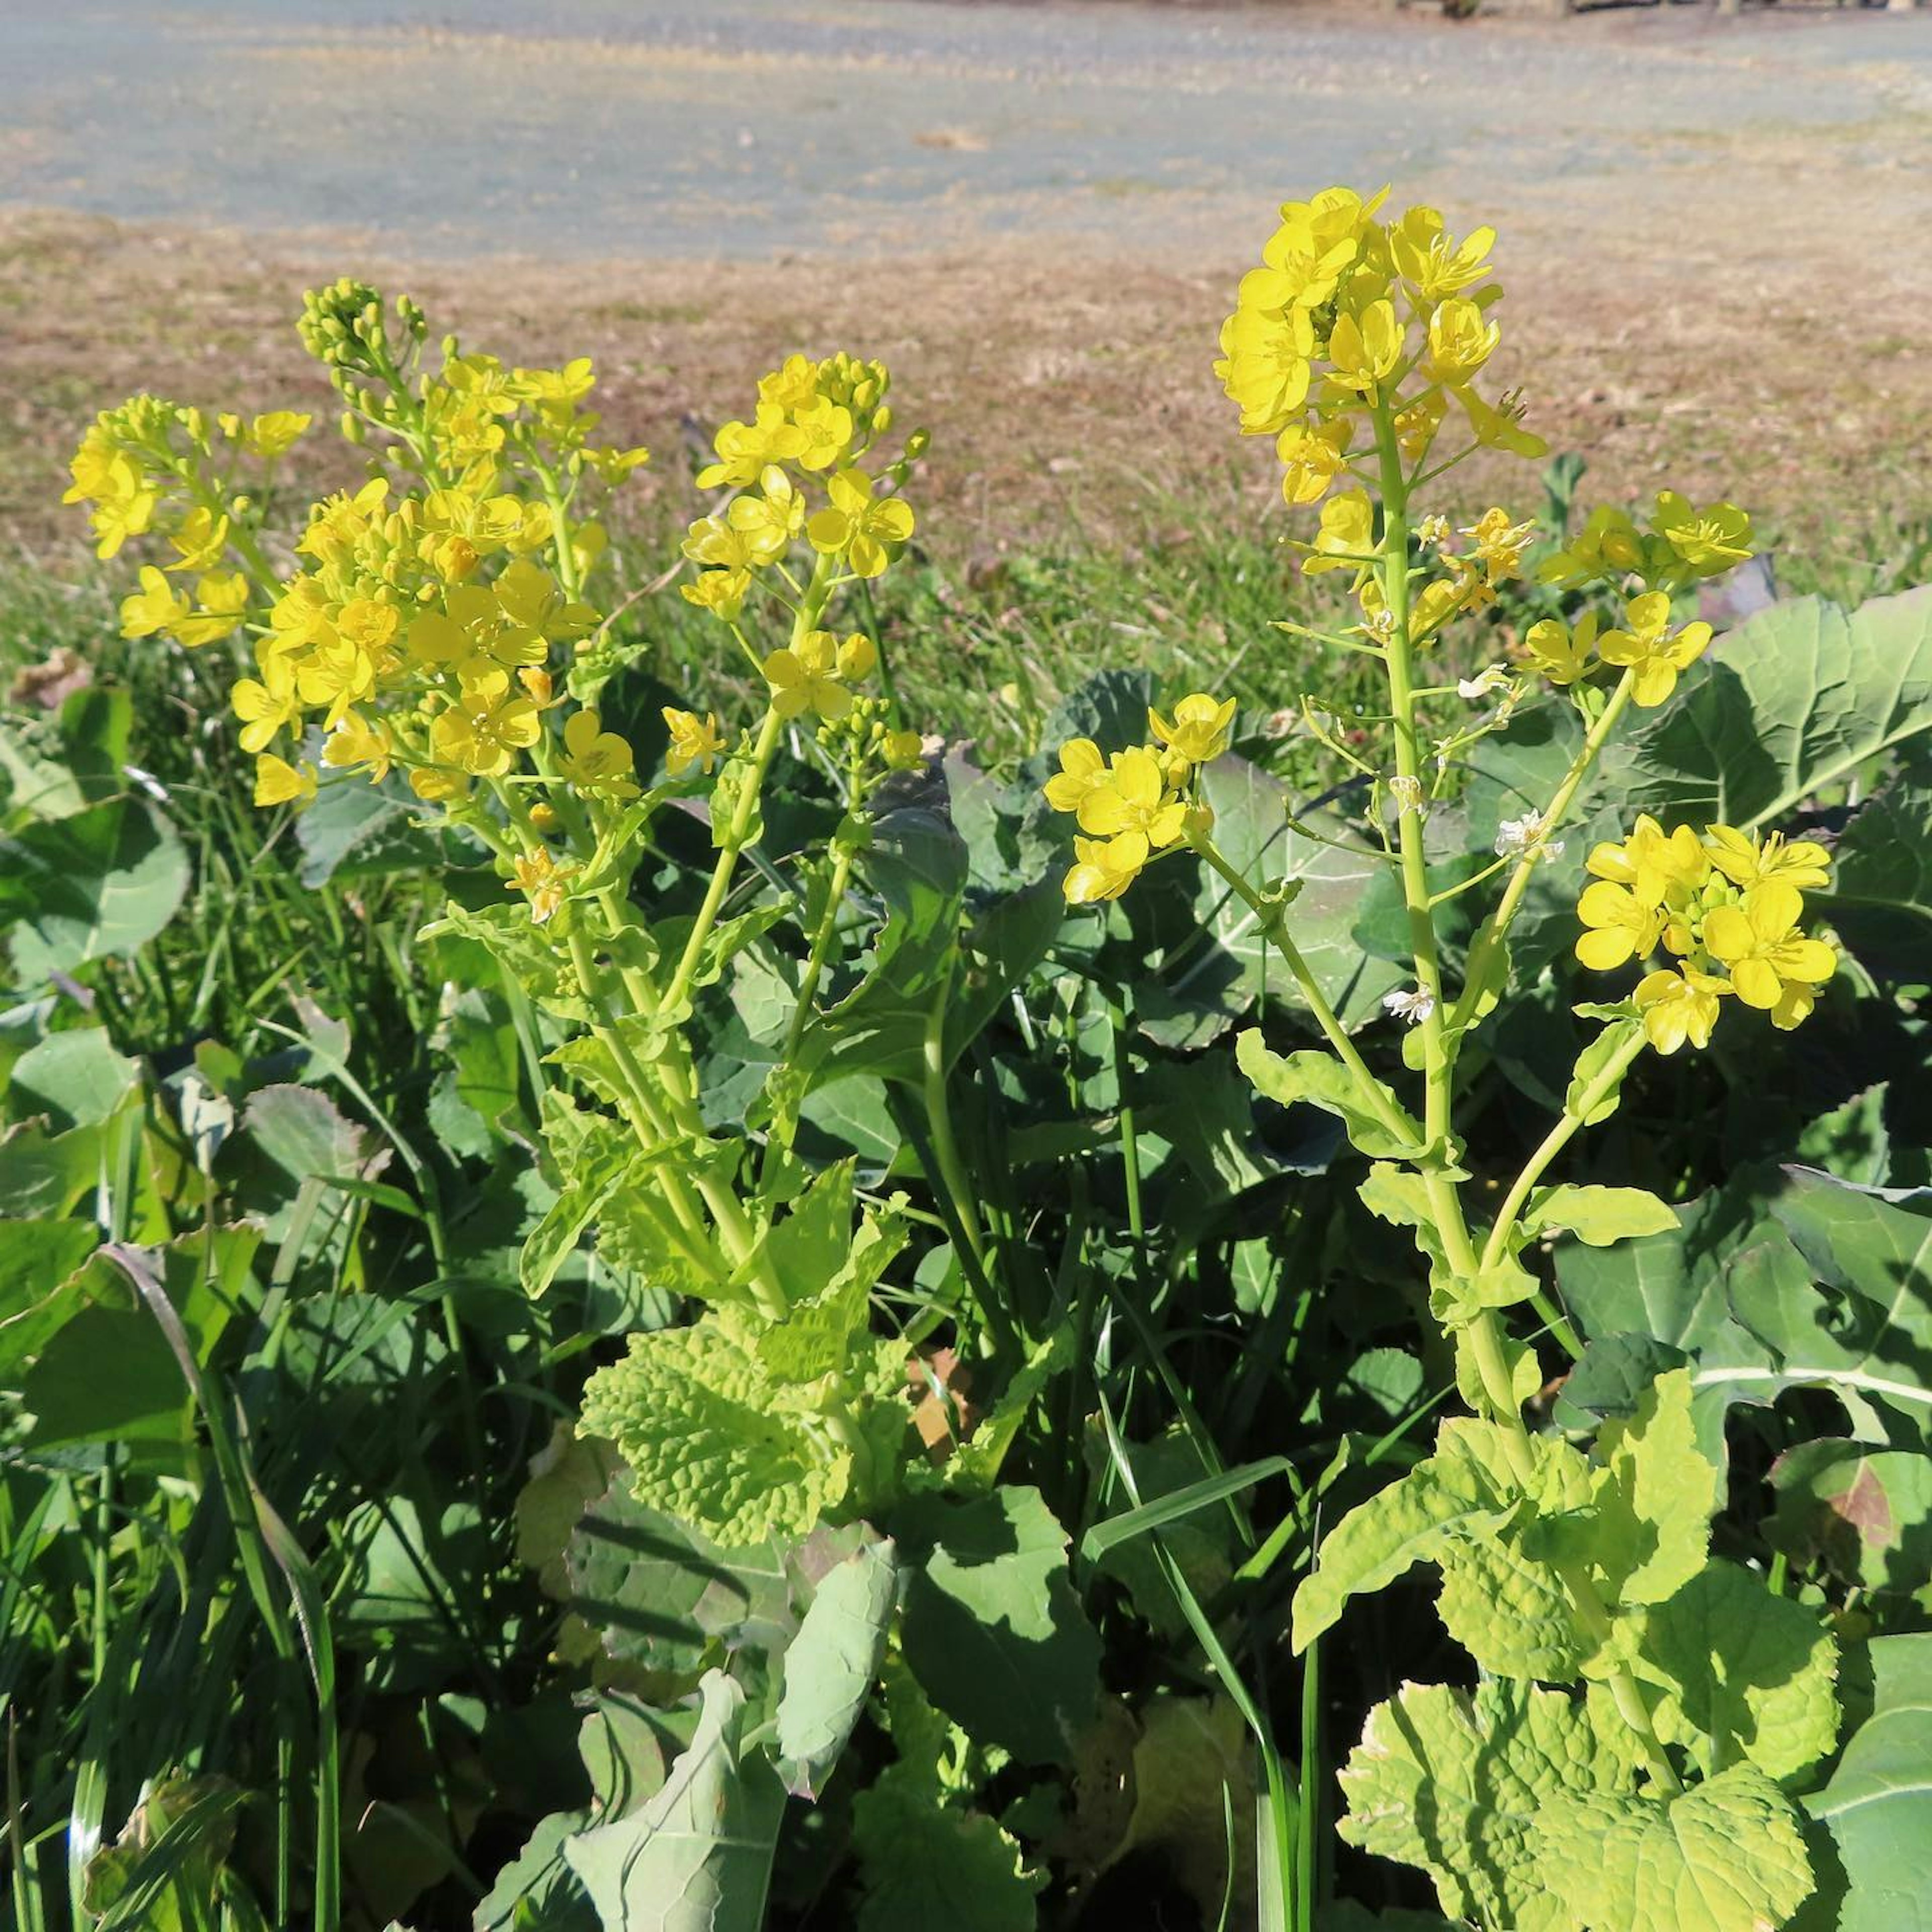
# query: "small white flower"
x,y
1409,1003
1483,683
1516,836
1407,793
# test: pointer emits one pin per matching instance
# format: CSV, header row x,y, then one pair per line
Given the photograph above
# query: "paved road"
x,y
669,128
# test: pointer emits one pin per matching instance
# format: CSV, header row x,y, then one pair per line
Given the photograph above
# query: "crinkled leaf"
x,y
1653,1494
1747,1674
1727,1856
927,1864
1455,1782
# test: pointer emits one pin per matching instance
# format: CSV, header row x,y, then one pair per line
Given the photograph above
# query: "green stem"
x,y
1553,1143
939,1117
1270,916
1496,929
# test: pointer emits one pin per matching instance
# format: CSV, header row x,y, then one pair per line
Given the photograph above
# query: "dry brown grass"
x,y
1758,331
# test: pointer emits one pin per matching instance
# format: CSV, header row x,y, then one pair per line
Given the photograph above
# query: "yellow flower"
x,y
124,505
865,527
1265,365
793,387
805,678
270,435
1460,341
598,761
337,675
542,880
826,429
356,744
1083,768
766,523
484,732
1711,540
1652,649
1431,260
1347,534
266,704
1621,926
1561,654
1134,797
1761,948
1608,545
1364,350
1499,543
1198,732
1652,863
693,742
1747,861
435,785
221,601
157,606
1104,868
1312,456
278,782
858,657
1677,1006
530,597
200,537
903,750
745,449
722,593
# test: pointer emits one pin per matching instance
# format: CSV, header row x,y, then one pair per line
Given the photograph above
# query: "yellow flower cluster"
x,y
797,467
1349,314
1138,803
1645,644
1682,545
1726,907
412,650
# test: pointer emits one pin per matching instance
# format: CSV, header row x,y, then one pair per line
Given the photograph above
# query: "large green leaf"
x,y
1878,1805
1795,701
1865,1514
698,1856
1880,898
99,883
992,1629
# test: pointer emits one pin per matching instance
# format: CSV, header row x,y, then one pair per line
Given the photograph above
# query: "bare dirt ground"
x,y
1712,231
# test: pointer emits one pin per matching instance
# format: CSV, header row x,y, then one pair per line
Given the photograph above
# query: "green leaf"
x,y
76,1078
1800,698
539,1883
992,1629
38,1259
1599,1216
1727,1856
1879,901
1593,1092
697,1857
1330,874
1878,1805
1464,1489
665,1598
830,1666
1653,1496
95,885
1321,1081
927,1865
1455,1783
1747,1674
1864,1514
